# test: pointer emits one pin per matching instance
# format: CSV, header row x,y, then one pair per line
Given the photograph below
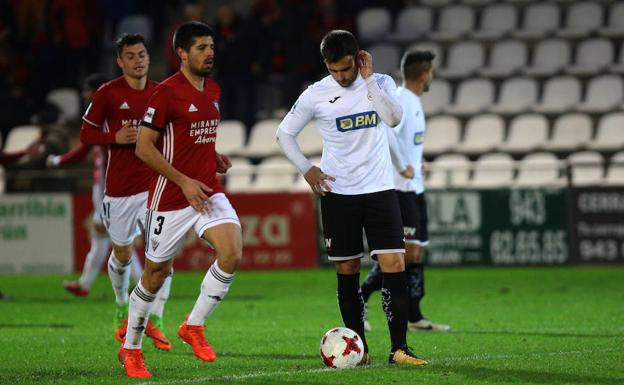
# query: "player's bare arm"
x,y
194,190
316,178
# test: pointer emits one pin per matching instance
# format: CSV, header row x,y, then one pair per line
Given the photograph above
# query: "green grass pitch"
x,y
561,325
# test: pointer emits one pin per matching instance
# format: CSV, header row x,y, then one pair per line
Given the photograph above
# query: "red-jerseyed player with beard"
x,y
177,139
112,120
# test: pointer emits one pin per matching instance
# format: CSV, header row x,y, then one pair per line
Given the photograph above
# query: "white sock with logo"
x,y
214,287
120,278
96,255
162,296
141,301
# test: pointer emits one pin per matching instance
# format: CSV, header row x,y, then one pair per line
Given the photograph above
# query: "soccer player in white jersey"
x,y
417,71
355,180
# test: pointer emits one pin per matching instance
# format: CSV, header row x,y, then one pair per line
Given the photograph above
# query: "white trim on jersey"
x,y
168,155
386,251
106,128
90,122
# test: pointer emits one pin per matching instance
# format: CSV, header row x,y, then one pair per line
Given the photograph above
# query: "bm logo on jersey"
x,y
419,138
357,121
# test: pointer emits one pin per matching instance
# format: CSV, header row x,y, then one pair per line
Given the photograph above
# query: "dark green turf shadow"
x,y
267,356
36,325
497,376
537,334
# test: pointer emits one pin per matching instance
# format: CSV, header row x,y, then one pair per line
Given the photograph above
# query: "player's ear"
x,y
182,54
119,62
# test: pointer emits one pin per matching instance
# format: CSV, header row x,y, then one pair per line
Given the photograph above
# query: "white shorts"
x,y
97,195
124,217
166,230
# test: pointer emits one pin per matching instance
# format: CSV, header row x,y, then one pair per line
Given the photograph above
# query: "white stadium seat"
x,y
68,102
387,58
539,20
274,174
610,133
438,96
615,172
550,56
442,134
586,168
473,96
592,56
539,169
604,93
448,170
615,25
560,95
373,24
526,133
240,176
517,95
310,140
21,137
262,139
581,20
230,137
412,23
506,58
493,170
454,22
497,20
483,133
430,46
463,59
570,132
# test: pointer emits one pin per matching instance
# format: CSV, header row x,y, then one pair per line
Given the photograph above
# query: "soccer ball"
x,y
341,348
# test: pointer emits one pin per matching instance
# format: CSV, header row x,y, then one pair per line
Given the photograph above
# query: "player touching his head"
x,y
417,71
355,180
177,139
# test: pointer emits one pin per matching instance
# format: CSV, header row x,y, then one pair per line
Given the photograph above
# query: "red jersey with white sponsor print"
x,y
188,120
116,103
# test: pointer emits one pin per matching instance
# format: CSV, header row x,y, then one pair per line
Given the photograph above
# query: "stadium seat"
x,y
517,95
2,181
506,58
436,3
274,174
581,20
615,171
454,22
610,133
493,170
448,170
476,2
239,177
483,133
539,20
463,59
386,57
560,95
433,47
310,140
438,97
136,24
442,134
550,57
473,96
615,25
21,137
230,137
592,56
618,67
68,102
586,168
604,93
412,23
262,139
570,132
373,24
526,133
539,169
497,21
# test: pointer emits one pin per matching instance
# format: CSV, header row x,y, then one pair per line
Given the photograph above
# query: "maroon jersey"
x,y
188,120
115,103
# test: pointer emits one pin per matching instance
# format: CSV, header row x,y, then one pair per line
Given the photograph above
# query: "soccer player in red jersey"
x,y
112,120
177,139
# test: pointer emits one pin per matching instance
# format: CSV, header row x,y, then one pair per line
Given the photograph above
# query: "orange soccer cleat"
x,y
120,333
194,336
158,338
75,288
133,362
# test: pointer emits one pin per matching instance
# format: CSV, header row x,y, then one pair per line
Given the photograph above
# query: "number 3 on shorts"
x,y
160,219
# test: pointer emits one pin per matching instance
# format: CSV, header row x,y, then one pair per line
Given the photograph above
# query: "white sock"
x,y
214,287
162,296
120,278
141,301
96,255
136,270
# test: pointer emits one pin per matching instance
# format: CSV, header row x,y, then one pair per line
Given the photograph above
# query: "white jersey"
x,y
355,143
410,137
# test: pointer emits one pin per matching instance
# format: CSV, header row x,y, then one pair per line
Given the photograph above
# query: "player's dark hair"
x,y
186,34
127,39
94,81
415,63
337,44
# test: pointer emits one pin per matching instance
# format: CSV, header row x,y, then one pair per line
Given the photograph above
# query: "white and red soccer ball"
x,y
341,348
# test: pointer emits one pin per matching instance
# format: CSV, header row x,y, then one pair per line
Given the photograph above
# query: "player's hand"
x,y
126,134
195,193
317,180
365,63
408,173
223,163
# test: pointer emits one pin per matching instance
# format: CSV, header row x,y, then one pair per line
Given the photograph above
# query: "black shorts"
x,y
414,215
344,217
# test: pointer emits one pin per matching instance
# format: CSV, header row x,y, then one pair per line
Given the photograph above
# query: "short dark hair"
x,y
127,39
337,44
185,35
94,81
414,63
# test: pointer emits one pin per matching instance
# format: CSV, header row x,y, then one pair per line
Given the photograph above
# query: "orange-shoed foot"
x,y
134,363
158,338
120,333
194,336
75,288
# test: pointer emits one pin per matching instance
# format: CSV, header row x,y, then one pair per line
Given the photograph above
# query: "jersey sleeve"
x,y
157,114
92,121
76,155
301,113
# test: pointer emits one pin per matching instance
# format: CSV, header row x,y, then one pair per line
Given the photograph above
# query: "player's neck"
x,y
196,81
415,87
136,83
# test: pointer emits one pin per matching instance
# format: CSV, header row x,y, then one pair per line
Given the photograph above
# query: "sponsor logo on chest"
x,y
357,121
205,131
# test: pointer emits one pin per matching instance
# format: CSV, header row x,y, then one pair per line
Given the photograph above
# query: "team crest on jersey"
x,y
216,104
419,138
149,115
357,121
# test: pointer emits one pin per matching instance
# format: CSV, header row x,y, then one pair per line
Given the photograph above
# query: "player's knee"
x,y
153,279
229,258
123,253
393,263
